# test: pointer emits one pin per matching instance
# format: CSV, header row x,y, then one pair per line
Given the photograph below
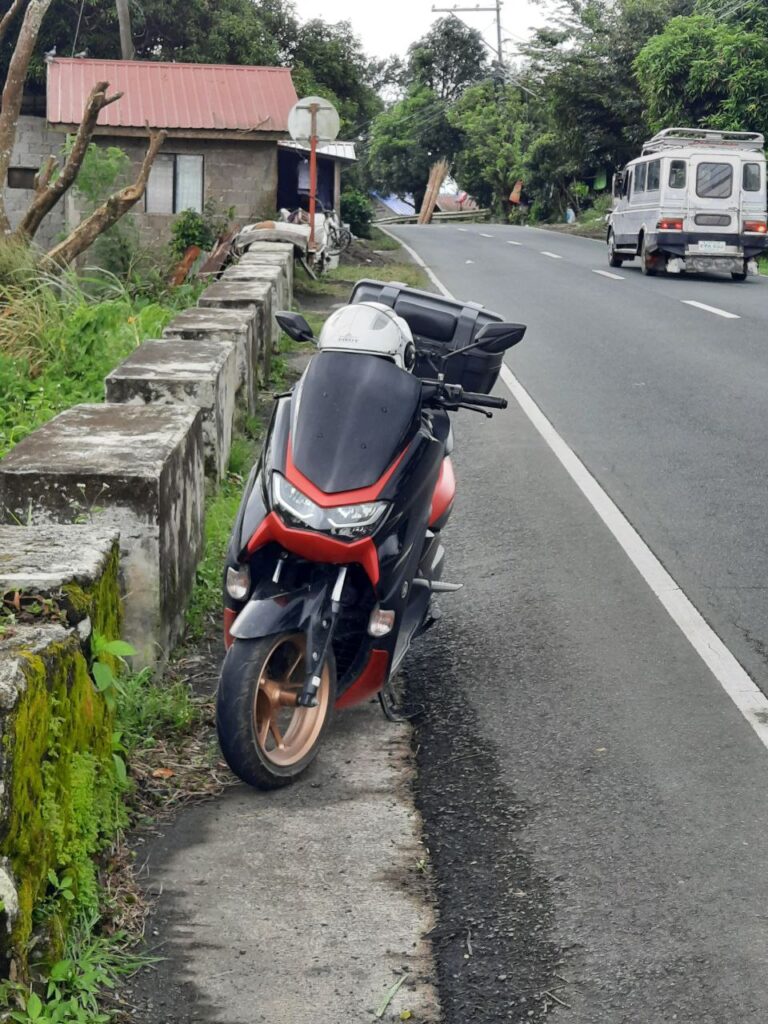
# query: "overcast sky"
x,y
389,27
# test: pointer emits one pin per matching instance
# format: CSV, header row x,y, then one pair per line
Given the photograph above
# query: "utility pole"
x,y
496,9
126,38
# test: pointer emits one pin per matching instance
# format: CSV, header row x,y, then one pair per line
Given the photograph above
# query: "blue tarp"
x,y
403,208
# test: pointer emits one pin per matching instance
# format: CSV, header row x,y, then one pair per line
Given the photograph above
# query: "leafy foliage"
x,y
450,57
700,71
407,140
356,210
491,120
201,229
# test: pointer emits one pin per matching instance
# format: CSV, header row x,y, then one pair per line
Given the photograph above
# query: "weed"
x,y
59,337
147,709
92,964
219,517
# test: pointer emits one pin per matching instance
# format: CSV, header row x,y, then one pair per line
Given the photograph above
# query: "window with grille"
x,y
175,184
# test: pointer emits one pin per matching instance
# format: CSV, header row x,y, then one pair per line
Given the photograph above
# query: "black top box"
x,y
439,324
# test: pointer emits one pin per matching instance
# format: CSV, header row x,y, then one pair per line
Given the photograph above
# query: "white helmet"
x,y
370,328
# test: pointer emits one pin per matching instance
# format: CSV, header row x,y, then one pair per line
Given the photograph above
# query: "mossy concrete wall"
x,y
59,791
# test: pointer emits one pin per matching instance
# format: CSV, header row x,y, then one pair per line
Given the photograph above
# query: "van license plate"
x,y
711,246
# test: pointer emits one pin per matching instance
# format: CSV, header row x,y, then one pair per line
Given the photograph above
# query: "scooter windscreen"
x,y
351,416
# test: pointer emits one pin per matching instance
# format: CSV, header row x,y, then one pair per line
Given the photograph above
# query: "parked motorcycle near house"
x,y
336,555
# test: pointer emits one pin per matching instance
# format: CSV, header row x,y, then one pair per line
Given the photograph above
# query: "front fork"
x,y
320,629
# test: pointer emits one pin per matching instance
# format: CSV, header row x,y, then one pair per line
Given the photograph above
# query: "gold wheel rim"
x,y
285,733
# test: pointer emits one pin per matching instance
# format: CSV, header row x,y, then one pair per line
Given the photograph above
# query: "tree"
x,y
50,186
493,129
197,31
704,72
588,104
407,140
330,60
447,59
750,14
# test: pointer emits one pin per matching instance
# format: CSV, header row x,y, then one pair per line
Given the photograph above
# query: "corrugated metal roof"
x,y
215,97
336,150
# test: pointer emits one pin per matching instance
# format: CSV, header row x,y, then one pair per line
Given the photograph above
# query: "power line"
x,y
455,11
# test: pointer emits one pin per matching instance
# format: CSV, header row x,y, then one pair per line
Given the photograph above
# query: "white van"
x,y
694,201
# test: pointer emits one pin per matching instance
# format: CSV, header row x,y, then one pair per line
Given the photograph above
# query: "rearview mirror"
x,y
295,326
498,337
618,184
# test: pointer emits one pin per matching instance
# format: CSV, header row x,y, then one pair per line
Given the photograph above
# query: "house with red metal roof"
x,y
223,127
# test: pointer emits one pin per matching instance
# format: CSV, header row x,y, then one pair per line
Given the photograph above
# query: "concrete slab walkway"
x,y
301,906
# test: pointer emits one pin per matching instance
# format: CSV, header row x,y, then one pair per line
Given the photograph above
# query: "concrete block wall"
x,y
137,464
35,142
113,500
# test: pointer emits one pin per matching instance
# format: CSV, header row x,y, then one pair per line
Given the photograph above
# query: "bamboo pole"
x,y
436,178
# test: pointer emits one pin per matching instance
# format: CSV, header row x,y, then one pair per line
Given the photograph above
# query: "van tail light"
x,y
756,227
670,224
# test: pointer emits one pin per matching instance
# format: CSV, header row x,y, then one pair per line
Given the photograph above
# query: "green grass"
x,y
147,709
221,509
382,242
58,342
408,273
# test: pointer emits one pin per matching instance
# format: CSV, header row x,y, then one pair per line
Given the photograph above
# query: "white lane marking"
x,y
462,229
747,697
711,309
552,255
510,242
607,273
484,235
469,261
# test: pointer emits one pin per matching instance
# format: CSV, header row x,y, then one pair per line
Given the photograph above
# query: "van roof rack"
x,y
674,138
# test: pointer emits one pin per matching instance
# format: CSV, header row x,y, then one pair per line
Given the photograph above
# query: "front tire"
x,y
266,739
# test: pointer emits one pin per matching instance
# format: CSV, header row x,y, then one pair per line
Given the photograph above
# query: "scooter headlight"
x,y
349,521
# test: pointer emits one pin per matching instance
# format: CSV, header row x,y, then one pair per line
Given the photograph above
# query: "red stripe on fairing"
x,y
368,683
444,493
229,620
315,546
358,497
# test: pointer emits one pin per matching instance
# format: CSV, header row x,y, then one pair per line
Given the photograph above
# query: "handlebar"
x,y
488,401
453,396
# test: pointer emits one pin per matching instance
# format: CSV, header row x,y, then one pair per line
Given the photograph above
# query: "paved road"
x,y
596,806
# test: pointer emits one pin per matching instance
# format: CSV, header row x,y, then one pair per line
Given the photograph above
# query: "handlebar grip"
x,y
488,401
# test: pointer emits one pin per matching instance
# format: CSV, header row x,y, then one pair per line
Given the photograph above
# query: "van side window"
x,y
714,181
640,170
677,174
751,177
654,176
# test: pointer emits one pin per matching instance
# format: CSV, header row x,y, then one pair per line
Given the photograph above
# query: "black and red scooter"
x,y
336,555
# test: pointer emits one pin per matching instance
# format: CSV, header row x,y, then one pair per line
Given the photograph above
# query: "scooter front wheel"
x,y
266,738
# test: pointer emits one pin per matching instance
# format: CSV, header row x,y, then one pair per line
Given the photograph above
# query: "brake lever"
x,y
476,408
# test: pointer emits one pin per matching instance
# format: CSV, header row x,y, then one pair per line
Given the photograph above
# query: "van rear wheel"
x,y
647,262
614,260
